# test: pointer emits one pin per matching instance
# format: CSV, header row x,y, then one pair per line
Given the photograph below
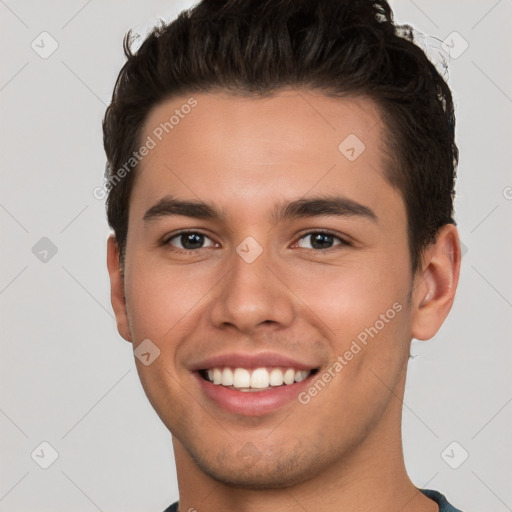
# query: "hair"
x,y
259,47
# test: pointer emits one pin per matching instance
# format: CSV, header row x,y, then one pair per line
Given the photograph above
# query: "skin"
x,y
343,450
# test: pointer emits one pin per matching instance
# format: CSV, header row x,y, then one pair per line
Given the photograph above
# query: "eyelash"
x,y
339,237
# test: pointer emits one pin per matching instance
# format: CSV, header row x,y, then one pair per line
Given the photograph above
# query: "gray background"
x,y
68,379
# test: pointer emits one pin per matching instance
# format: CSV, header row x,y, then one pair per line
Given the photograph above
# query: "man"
x,y
281,180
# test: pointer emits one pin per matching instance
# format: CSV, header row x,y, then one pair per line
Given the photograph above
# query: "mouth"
x,y
255,379
253,391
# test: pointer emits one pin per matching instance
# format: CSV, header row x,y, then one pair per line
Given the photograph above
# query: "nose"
x,y
252,296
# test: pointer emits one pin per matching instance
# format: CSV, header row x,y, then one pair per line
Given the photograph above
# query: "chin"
x,y
251,479
285,471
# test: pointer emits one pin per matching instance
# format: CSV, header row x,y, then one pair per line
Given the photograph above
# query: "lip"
x,y
252,403
252,361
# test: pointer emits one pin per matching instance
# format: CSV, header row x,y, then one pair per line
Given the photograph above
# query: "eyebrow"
x,y
319,206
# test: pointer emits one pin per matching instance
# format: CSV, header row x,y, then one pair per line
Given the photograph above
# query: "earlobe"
x,y
117,288
436,284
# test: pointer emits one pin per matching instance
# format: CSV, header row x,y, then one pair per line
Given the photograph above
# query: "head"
x,y
285,114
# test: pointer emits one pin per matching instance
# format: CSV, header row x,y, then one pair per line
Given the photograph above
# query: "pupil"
x,y
321,241
192,240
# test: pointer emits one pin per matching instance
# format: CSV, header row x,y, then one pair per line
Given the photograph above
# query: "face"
x,y
267,252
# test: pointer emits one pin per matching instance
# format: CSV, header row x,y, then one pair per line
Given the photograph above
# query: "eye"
x,y
320,240
189,240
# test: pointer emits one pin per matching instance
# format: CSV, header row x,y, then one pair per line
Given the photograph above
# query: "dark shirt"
x,y
444,506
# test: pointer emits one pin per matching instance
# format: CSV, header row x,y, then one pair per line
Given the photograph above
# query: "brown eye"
x,y
320,240
189,241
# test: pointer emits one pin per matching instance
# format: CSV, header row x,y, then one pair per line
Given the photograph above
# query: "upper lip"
x,y
251,361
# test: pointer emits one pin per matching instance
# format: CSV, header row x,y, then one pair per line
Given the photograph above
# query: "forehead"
x,y
236,149
286,123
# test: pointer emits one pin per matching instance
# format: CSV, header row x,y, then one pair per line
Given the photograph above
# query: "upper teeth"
x,y
259,378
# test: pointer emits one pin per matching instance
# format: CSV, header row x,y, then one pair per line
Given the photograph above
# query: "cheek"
x,y
369,328
160,298
346,299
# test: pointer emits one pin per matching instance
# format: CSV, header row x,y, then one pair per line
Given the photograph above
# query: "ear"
x,y
435,284
117,288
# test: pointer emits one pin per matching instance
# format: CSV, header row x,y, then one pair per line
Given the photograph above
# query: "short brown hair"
x,y
257,47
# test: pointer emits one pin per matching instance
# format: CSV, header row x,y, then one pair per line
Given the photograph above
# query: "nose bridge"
x,y
251,294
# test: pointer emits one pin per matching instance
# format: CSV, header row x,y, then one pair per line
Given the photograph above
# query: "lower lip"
x,y
252,403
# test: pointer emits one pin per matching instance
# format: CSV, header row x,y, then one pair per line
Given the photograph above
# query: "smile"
x,y
257,379
252,384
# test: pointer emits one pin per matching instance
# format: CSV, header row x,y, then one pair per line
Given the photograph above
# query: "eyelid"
x,y
341,237
166,239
